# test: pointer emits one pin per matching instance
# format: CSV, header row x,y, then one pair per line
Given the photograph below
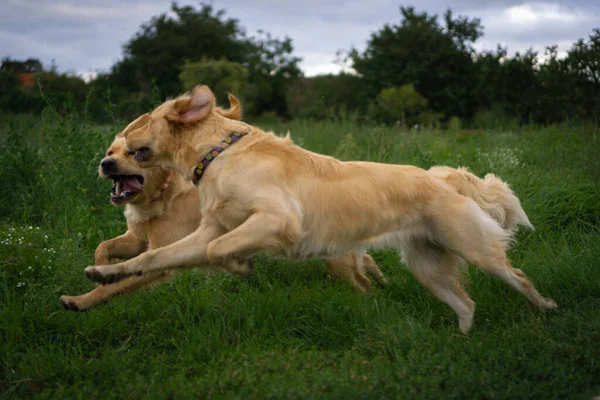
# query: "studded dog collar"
x,y
211,155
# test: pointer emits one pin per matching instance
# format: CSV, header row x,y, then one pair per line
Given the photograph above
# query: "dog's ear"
x,y
188,110
139,122
234,111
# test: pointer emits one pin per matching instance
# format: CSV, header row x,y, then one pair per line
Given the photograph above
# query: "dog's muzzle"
x,y
109,166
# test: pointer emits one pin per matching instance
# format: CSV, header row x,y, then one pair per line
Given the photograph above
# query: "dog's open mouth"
x,y
126,187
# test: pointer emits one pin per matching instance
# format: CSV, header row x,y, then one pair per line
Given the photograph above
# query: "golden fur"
x,y
266,194
167,210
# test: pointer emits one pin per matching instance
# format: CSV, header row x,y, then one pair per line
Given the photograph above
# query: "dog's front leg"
x,y
125,246
189,252
104,293
261,232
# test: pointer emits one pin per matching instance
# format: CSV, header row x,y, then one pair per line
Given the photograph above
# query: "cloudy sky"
x,y
87,35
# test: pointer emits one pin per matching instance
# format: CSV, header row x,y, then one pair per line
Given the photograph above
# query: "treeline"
x,y
424,70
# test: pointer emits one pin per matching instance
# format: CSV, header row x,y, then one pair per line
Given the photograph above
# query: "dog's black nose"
x,y
109,166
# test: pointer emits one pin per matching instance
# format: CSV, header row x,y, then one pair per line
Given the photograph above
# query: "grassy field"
x,y
291,331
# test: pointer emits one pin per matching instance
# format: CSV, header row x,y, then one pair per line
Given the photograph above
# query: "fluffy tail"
x,y
493,195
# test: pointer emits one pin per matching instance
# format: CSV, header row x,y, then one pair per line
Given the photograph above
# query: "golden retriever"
x,y
161,207
263,193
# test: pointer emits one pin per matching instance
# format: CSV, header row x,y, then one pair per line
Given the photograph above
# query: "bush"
x,y
405,106
327,96
222,76
495,118
51,167
454,124
9,87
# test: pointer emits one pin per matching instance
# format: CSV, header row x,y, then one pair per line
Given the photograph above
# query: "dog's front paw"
x,y
70,304
107,274
549,304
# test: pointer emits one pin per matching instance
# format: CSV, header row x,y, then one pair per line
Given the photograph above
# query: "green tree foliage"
x,y
31,65
510,83
272,68
9,89
156,55
435,58
327,95
221,76
584,58
583,65
403,105
555,90
161,46
62,90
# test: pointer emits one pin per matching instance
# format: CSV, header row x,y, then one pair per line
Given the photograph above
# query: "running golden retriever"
x,y
260,192
161,207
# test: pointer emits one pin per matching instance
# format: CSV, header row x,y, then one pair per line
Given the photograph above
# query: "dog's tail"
x,y
493,195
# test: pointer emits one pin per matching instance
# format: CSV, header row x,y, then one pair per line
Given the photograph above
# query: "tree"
x,y
584,58
31,65
403,104
156,55
582,64
327,95
221,76
437,60
509,84
272,68
158,50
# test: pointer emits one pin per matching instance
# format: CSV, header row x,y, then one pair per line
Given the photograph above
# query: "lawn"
x,y
290,331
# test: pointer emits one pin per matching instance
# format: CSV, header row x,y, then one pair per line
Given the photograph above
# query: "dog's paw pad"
x,y
69,304
93,274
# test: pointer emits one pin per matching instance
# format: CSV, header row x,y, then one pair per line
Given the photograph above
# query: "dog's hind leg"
x,y
189,252
104,293
372,269
494,261
473,235
439,271
349,268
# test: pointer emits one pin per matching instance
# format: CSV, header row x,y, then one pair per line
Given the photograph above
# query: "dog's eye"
x,y
110,153
142,154
130,153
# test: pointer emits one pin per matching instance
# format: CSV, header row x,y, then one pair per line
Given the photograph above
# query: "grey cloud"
x,y
89,35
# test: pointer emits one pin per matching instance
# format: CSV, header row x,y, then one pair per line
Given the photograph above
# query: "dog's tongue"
x,y
131,185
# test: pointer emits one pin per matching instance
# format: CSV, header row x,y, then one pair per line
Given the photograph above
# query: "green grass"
x,y
290,331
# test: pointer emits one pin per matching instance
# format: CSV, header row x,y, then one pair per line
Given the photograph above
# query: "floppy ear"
x,y
235,109
192,109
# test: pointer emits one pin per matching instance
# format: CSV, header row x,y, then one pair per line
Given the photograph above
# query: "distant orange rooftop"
x,y
27,79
